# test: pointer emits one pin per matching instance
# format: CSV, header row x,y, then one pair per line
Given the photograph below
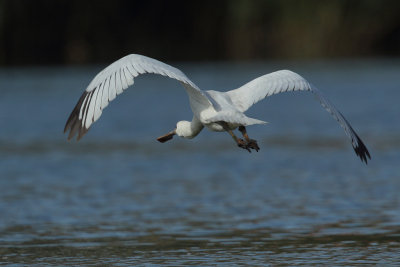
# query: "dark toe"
x,y
243,144
253,145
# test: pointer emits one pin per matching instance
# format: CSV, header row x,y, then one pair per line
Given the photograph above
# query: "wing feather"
x,y
139,68
90,112
84,98
86,106
132,71
124,85
282,81
97,105
120,82
128,77
112,81
106,85
111,90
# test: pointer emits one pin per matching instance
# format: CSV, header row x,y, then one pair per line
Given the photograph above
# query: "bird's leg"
x,y
164,138
240,142
251,143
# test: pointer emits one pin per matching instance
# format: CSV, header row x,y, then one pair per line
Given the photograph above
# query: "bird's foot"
x,y
253,145
241,143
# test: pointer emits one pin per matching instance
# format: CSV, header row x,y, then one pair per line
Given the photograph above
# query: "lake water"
x,y
118,197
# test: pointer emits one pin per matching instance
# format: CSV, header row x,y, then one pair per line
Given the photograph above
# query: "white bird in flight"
x,y
218,111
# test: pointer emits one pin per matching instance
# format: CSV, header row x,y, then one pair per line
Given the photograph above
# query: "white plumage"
x,y
218,111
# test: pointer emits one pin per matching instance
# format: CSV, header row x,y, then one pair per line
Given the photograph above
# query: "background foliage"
x,y
77,32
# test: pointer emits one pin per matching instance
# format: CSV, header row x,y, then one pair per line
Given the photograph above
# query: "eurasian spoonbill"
x,y
218,111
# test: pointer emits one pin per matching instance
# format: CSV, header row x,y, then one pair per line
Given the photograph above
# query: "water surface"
x,y
119,197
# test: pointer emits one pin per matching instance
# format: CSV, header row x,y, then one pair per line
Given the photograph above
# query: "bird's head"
x,y
184,129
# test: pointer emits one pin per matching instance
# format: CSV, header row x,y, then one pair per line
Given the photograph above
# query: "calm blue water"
x,y
119,197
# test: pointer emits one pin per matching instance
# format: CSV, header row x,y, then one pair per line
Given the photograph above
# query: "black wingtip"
x,y
358,146
361,150
74,124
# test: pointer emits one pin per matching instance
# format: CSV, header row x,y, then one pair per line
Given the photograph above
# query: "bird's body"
x,y
217,111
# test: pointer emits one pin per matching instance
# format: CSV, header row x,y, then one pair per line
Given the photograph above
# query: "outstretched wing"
x,y
283,81
112,81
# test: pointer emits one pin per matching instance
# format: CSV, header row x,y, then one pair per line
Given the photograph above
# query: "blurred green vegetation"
x,y
79,32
